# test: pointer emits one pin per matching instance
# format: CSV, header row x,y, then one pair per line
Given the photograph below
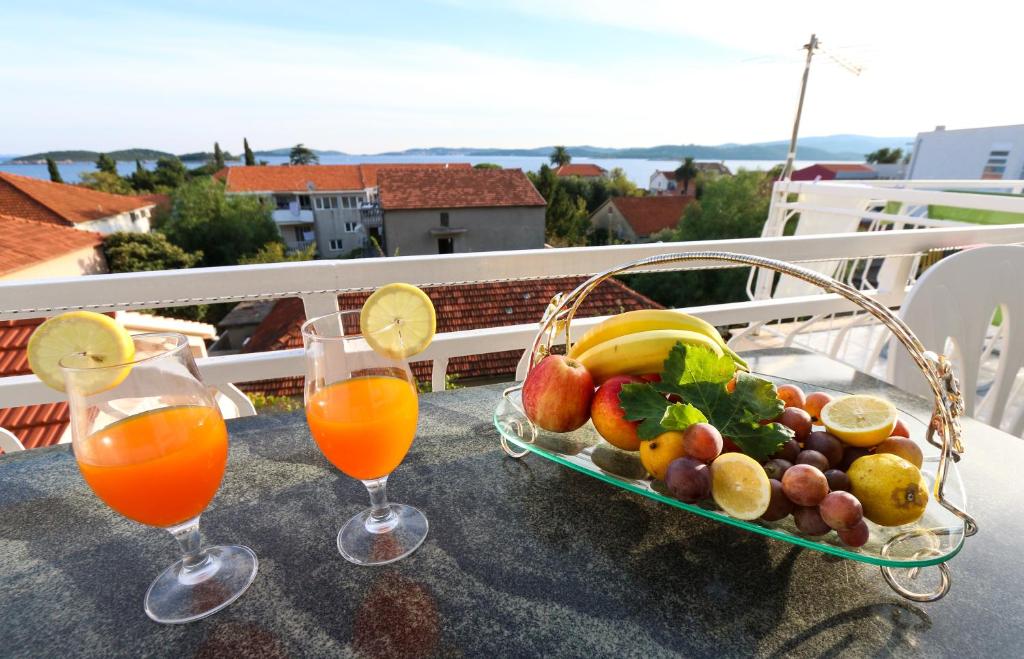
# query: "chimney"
x,y
940,128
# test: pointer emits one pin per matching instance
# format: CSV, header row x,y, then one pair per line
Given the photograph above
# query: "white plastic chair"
x,y
233,402
9,442
954,301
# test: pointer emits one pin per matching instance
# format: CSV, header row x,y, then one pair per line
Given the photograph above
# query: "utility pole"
x,y
810,46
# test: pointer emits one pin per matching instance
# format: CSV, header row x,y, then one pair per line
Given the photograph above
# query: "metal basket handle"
x,y
936,368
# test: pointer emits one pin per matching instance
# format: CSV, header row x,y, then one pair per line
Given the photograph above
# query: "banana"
x,y
639,353
646,320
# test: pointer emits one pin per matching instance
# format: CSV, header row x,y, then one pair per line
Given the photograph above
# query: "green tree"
x,y
731,207
619,185
170,173
566,219
225,228
106,182
218,157
250,157
884,156
142,180
51,167
138,252
486,165
275,253
105,163
686,172
560,156
301,155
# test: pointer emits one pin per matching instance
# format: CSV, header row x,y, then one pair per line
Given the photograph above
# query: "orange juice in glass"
x,y
150,441
362,410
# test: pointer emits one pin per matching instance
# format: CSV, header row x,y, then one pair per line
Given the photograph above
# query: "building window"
x,y
444,220
134,216
304,203
325,203
350,201
299,234
336,245
445,246
995,167
283,202
351,227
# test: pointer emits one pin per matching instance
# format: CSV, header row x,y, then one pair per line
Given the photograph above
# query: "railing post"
x,y
437,374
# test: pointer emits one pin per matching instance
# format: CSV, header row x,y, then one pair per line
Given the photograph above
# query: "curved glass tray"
x,y
933,539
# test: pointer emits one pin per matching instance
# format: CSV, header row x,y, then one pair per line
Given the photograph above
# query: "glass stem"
x,y
197,564
381,518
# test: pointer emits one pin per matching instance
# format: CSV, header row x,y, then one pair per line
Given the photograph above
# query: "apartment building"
x,y
993,153
332,205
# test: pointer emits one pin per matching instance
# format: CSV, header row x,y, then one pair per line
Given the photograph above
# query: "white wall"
x,y
962,154
658,182
120,222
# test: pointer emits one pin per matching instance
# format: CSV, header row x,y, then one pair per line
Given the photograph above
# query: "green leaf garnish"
x,y
699,377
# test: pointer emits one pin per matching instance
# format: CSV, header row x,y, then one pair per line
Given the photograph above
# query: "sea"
x,y
637,170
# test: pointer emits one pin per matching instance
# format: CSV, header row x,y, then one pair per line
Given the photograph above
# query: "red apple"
x,y
608,416
557,394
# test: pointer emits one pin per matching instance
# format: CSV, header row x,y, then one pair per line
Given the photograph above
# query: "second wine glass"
x,y
362,410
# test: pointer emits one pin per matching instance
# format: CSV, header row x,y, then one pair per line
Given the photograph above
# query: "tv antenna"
x,y
812,46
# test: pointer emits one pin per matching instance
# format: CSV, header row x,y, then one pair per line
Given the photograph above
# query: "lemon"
x,y
82,339
740,486
890,489
860,420
398,321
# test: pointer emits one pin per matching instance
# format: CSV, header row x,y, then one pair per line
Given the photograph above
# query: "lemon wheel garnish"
x,y
398,321
740,486
860,420
82,339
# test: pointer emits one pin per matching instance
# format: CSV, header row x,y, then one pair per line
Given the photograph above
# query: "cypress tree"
x,y
218,157
51,165
105,163
250,157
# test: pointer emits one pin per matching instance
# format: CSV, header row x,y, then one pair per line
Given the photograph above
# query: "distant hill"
x,y
860,144
286,151
206,156
661,152
90,156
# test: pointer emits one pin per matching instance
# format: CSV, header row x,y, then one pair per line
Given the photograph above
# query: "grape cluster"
x,y
808,473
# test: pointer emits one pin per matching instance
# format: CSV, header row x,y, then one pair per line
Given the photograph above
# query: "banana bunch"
x,y
638,342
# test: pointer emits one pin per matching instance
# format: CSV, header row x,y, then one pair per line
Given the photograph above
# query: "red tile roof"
x,y
455,188
333,178
647,215
34,425
25,243
847,167
584,169
58,203
459,307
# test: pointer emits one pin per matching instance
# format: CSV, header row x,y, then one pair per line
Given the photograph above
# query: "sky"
x,y
366,77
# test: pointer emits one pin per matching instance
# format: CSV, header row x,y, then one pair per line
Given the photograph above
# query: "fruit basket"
x,y
902,550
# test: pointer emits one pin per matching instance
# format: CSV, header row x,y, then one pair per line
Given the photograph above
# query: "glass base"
x,y
366,541
178,596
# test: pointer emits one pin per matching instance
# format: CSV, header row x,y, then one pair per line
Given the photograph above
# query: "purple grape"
x,y
841,510
837,480
850,454
776,467
798,421
827,444
688,480
788,451
702,441
856,535
779,506
814,459
809,521
804,485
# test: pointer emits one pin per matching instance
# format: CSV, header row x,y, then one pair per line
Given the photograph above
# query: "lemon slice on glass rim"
x,y
398,321
740,486
81,339
860,420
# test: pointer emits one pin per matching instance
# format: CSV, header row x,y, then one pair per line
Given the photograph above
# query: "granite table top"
x,y
524,558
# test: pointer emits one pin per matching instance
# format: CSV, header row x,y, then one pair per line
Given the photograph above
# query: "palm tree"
x,y
686,173
560,156
302,155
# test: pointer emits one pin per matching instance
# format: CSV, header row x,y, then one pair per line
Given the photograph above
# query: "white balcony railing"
x,y
317,283
288,216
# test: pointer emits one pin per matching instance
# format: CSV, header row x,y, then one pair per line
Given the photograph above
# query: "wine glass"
x,y
362,411
151,443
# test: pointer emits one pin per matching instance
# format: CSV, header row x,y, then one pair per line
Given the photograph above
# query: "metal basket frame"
x,y
936,368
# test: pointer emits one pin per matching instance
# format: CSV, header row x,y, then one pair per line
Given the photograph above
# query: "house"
x,y
333,205
47,424
844,171
32,249
73,205
992,153
459,307
238,325
665,182
581,170
445,211
634,219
